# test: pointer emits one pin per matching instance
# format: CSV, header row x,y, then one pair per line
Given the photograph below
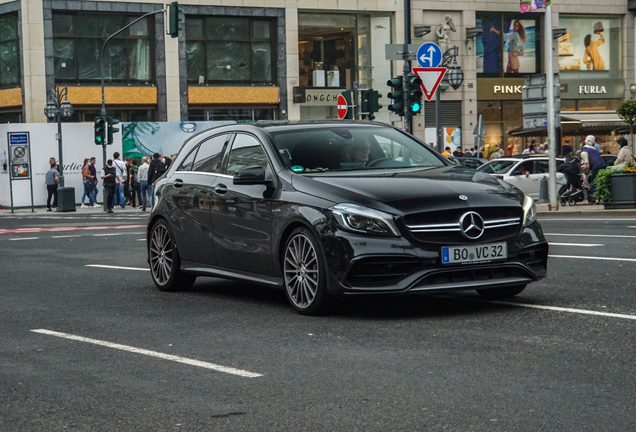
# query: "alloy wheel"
x,y
302,276
161,254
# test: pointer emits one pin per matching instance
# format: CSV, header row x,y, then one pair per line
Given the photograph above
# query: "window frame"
x,y
273,42
128,38
230,145
15,40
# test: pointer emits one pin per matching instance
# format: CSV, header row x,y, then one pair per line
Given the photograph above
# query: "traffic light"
x,y
111,130
415,94
396,94
175,19
370,103
100,130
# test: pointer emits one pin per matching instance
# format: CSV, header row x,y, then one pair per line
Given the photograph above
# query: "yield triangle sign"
x,y
431,77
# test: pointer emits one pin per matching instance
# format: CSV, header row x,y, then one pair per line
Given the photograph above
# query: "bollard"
x,y
543,191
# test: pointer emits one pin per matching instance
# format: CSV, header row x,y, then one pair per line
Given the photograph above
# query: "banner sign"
x,y
532,5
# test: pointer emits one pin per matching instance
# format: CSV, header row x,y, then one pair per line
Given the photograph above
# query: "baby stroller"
x,y
576,189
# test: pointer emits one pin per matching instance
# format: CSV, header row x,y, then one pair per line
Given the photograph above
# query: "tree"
x,y
627,112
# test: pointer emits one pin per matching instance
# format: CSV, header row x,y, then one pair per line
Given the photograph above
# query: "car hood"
x,y
413,190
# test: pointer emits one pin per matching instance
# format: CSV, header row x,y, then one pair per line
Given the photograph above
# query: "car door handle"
x,y
220,188
177,183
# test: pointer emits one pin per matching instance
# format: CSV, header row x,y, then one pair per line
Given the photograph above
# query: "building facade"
x,y
289,59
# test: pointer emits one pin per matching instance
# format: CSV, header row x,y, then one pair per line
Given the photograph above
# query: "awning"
x,y
580,123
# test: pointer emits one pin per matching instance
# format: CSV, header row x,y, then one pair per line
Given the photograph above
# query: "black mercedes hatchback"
x,y
331,209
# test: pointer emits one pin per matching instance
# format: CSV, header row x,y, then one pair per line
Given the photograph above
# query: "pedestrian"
x,y
511,146
155,170
467,153
120,167
458,152
93,171
566,148
496,154
446,152
135,194
143,183
87,183
127,187
167,162
531,148
592,159
111,179
52,180
625,153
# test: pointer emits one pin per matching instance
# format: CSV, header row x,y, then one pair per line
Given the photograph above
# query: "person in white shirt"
x,y
120,167
143,183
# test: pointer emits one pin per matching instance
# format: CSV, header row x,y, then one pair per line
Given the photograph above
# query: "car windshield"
x,y
351,148
497,166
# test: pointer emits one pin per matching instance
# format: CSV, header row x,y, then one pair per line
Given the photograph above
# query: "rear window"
x,y
352,148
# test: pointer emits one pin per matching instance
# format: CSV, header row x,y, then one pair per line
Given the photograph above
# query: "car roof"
x,y
278,125
519,158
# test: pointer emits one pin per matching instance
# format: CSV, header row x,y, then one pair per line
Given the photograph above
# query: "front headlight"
x,y
355,218
529,211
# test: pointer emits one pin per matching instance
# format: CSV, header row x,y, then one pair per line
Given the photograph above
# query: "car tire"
x,y
501,293
304,274
165,261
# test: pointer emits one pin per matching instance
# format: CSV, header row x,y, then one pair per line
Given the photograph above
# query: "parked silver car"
x,y
523,172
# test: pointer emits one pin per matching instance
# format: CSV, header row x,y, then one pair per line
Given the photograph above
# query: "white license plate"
x,y
474,253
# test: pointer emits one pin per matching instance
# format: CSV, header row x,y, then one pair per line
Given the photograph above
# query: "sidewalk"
x,y
41,211
580,210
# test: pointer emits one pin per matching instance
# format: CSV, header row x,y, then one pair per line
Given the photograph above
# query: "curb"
x,y
585,213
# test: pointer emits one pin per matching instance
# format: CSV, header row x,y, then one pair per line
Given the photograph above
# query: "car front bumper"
x,y
388,265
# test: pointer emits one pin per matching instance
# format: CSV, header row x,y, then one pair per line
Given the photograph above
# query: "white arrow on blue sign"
x,y
429,55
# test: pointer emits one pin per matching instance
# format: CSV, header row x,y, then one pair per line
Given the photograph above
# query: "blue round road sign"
x,y
429,55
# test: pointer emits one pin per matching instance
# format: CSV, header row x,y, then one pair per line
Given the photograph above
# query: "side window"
x,y
522,168
541,167
210,155
246,151
188,162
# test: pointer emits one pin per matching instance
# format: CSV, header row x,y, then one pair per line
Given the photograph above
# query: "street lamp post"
x,y
455,77
58,106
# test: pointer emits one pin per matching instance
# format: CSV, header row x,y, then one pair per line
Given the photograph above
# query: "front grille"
x,y
443,227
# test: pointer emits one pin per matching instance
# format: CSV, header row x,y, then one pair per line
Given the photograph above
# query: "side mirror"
x,y
251,175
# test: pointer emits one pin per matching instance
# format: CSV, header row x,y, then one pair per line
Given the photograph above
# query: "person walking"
x,y
87,182
52,180
458,152
127,187
111,179
566,148
446,152
135,195
592,159
625,153
120,167
93,171
155,170
142,174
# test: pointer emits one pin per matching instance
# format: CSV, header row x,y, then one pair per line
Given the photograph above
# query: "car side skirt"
x,y
200,270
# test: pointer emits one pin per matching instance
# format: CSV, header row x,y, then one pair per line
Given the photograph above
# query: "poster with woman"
x,y
584,46
488,46
519,53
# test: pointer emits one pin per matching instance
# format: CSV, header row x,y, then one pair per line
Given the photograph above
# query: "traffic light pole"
x,y
408,119
101,69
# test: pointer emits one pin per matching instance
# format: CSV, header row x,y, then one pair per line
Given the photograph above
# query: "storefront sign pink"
x,y
531,5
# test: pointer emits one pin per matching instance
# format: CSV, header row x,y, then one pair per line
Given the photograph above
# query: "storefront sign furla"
x,y
592,90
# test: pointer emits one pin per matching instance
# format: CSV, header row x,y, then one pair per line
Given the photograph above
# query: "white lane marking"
x,y
575,244
141,239
178,359
24,238
107,235
593,258
117,267
67,236
556,219
590,235
568,310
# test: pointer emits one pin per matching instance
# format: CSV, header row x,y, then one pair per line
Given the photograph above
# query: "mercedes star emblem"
x,y
472,225
463,197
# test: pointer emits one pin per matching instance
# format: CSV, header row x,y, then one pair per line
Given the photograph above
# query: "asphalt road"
x,y
85,348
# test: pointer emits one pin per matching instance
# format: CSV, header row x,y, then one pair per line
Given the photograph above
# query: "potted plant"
x,y
616,187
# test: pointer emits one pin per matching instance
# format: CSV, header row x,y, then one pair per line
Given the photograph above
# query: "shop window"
x,y
9,52
590,104
230,50
84,114
232,114
78,39
591,47
11,117
509,45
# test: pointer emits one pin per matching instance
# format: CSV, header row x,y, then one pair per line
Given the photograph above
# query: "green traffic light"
x,y
415,108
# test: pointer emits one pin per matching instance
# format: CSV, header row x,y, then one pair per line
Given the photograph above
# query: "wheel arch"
x,y
151,223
